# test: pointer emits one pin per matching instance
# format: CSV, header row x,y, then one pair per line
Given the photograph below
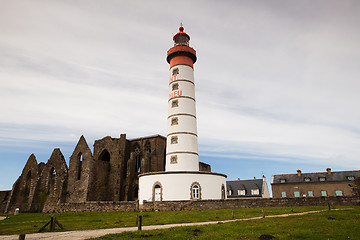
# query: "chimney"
x,y
299,172
328,171
238,179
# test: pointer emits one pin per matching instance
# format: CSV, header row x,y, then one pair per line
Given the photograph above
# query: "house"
x,y
316,184
252,188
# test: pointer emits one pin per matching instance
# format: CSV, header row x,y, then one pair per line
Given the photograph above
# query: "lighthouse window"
x,y
174,140
173,159
175,86
175,103
174,121
175,71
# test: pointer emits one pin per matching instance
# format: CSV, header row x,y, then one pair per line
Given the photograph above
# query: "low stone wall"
x,y
93,207
201,204
248,203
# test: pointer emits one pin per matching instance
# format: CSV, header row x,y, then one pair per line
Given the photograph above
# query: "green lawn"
x,y
32,222
343,224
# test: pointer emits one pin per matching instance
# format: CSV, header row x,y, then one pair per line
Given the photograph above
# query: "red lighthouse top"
x,y
181,53
181,37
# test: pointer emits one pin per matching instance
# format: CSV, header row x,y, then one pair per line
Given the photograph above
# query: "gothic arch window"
x,y
195,191
157,192
52,176
148,147
79,167
105,157
137,151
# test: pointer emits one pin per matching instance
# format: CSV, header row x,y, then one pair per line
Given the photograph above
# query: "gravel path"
x,y
86,234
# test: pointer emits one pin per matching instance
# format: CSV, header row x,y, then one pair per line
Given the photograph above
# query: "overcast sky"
x,y
277,82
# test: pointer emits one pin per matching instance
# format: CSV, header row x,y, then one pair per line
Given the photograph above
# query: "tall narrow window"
x,y
195,191
283,194
80,157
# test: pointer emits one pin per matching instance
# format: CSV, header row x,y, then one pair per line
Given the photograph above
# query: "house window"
x,y
175,86
174,121
229,192
174,140
174,103
338,193
322,179
283,194
283,180
173,159
296,194
241,192
323,193
310,193
175,71
307,179
195,191
254,191
350,178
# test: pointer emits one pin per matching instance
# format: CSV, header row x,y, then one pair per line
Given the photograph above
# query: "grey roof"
x,y
315,177
246,185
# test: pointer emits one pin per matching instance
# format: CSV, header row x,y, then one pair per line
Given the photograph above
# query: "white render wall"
x,y
177,186
185,149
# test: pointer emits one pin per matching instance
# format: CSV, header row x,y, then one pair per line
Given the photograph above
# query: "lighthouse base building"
x,y
182,178
173,186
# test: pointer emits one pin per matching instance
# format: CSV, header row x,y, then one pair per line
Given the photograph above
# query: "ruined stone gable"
x,y
23,191
80,172
51,187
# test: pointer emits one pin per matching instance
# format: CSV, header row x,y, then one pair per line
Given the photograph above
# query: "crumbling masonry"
x,y
110,173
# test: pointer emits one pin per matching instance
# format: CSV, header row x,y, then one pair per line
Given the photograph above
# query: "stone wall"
x,y
248,203
102,206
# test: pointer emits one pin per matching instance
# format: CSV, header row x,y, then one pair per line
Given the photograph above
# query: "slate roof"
x,y
315,177
246,185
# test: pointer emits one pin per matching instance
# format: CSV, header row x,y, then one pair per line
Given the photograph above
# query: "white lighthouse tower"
x,y
182,144
181,179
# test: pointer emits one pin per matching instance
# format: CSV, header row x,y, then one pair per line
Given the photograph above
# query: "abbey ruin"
x,y
109,173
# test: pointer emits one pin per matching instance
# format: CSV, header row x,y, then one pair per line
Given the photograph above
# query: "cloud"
x,y
275,80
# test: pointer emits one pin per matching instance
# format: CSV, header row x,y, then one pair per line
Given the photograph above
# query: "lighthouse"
x,y
181,179
182,140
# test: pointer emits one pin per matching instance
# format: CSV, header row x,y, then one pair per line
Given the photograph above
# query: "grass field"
x,y
32,222
344,224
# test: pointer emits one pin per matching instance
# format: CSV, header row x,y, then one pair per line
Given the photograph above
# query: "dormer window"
x,y
307,179
254,191
241,192
282,180
322,179
350,178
